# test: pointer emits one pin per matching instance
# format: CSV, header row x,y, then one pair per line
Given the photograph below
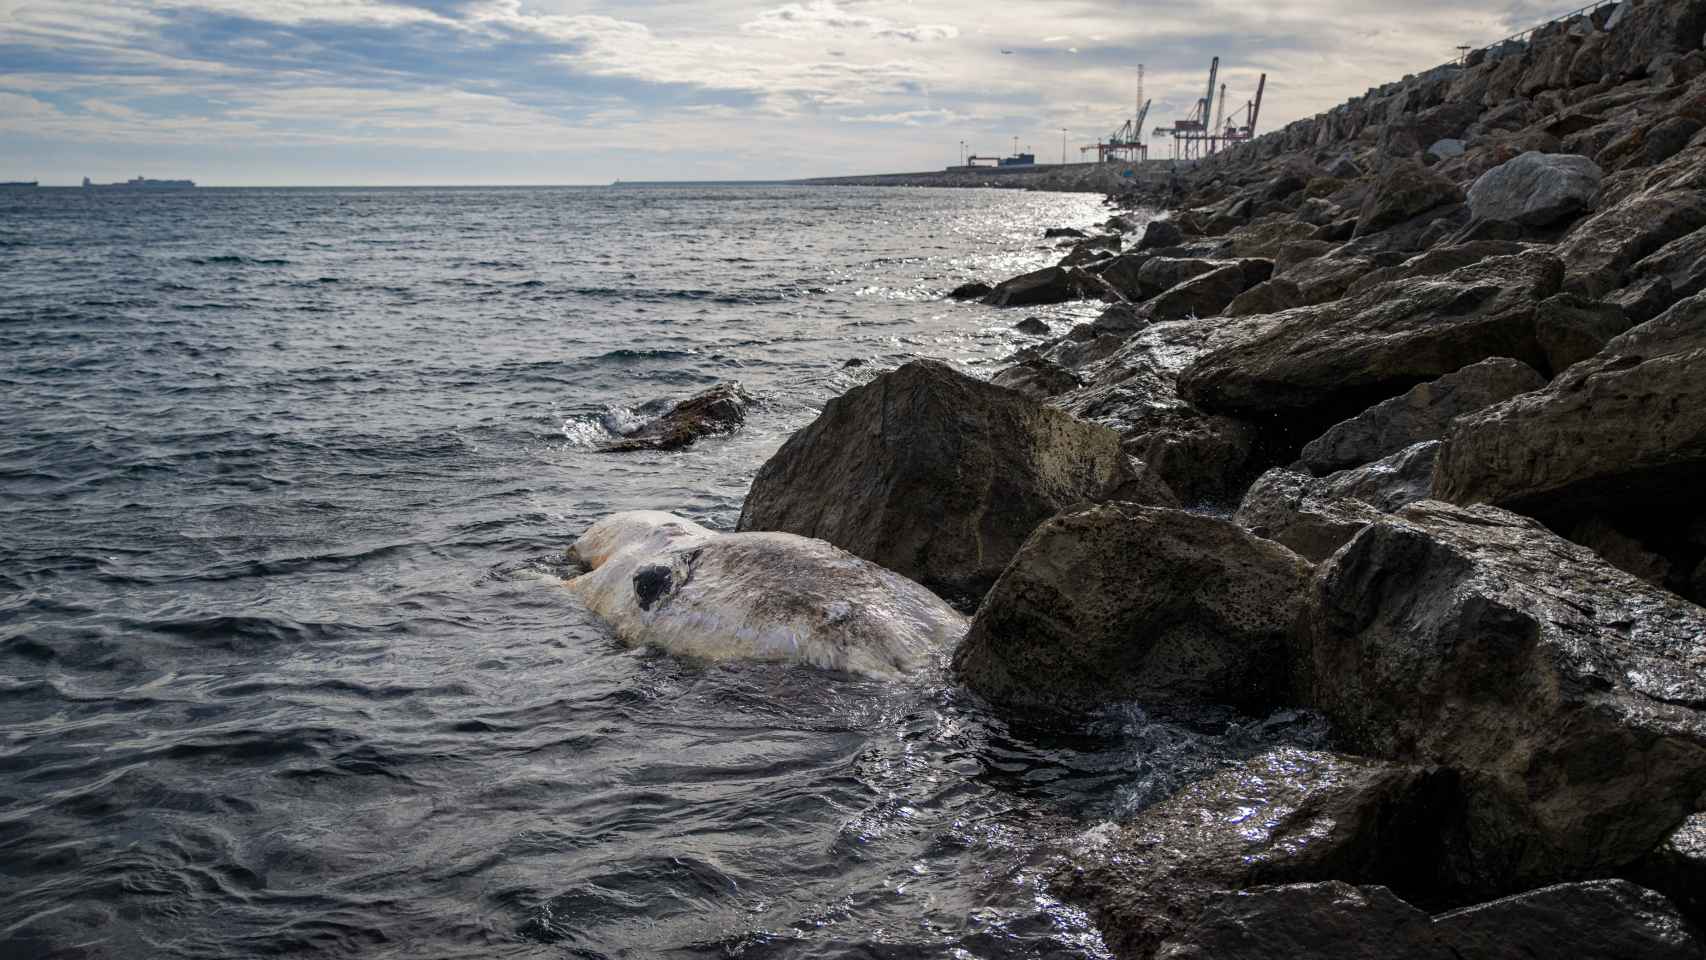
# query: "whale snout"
x,y
650,529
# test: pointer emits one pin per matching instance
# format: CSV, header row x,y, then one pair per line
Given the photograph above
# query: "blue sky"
x,y
258,92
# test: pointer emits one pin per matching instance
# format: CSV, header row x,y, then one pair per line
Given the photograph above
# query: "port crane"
x,y
1206,131
1126,143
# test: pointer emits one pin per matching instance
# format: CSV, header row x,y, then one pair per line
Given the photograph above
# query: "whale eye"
x,y
650,583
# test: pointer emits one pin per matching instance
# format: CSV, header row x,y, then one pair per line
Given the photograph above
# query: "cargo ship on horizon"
x,y
143,183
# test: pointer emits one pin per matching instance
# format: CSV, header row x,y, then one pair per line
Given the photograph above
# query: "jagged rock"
x,y
1331,920
1536,189
1033,326
1639,31
1595,920
1297,251
1645,299
1121,273
1626,428
1422,413
1161,233
1123,318
1159,274
1207,294
1049,285
1285,816
1677,868
1269,297
1325,278
1117,602
719,409
975,290
1054,232
1599,249
1681,262
1267,237
1405,190
1620,550
1567,693
1281,506
1319,211
937,476
1315,516
1441,260
1572,328
1038,378
1343,167
1203,458
1318,365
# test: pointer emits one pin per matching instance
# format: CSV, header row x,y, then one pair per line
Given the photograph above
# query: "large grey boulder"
x,y
1404,190
1424,412
1118,602
1623,430
1314,516
1569,695
1285,816
1314,366
1536,189
938,476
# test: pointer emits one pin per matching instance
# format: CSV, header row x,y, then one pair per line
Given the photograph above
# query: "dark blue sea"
x,y
286,668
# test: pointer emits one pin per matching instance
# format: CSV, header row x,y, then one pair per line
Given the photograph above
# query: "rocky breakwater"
x,y
1394,414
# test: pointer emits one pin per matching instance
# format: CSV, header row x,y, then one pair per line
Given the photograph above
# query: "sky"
x,y
415,92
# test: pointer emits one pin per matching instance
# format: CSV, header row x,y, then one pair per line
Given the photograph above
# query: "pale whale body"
x,y
670,583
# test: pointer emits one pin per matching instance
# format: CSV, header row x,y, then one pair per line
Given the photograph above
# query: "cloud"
x,y
588,90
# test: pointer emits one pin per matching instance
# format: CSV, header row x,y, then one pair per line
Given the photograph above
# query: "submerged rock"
x,y
719,409
975,290
1569,694
938,476
1119,602
1286,816
1049,285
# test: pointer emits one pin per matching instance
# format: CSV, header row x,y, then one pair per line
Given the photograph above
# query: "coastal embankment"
x,y
1412,394
1109,178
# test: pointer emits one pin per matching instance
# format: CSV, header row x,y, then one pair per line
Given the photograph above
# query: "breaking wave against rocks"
x,y
285,665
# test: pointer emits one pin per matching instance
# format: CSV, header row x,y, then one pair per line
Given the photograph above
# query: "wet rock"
x,y
1204,295
1626,428
1093,249
1677,868
975,290
1285,816
937,476
1038,378
1325,278
1567,693
1272,296
1054,232
1123,318
1405,190
1437,261
1049,285
1331,920
1595,920
1033,326
1118,602
1161,233
1315,516
1536,189
1424,412
1159,274
719,409
1321,364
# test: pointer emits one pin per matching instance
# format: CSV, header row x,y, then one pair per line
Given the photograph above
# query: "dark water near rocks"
x,y
283,666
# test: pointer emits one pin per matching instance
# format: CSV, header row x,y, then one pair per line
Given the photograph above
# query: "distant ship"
x,y
17,183
143,183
